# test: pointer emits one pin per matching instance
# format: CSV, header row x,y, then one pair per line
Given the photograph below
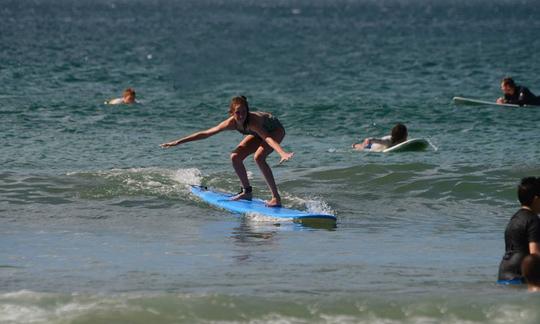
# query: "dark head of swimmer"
x,y
529,193
399,133
508,86
239,109
128,96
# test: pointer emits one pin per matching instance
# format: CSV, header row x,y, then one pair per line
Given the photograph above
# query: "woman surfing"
x,y
264,134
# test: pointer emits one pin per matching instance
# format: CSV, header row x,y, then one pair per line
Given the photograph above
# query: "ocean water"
x,y
96,221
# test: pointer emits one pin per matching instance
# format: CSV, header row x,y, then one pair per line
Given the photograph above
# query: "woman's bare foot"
x,y
274,202
244,194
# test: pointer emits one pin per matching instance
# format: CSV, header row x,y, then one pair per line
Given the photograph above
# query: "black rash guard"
x,y
523,228
522,96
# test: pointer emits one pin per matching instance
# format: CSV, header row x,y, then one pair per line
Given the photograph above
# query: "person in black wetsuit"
x,y
522,235
516,94
264,133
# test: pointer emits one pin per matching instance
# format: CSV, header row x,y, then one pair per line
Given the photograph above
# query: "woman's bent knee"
x,y
259,158
236,157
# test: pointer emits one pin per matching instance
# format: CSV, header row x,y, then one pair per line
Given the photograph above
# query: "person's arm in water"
x,y
509,98
224,125
285,156
533,235
369,141
534,248
380,141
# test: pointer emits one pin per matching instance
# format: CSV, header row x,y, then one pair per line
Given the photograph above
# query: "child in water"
x,y
128,97
530,268
264,134
399,135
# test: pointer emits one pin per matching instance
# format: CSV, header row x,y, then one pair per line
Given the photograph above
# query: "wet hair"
x,y
509,82
129,91
527,189
240,100
399,134
530,269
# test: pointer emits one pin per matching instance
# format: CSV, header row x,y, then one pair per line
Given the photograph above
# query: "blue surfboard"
x,y
257,206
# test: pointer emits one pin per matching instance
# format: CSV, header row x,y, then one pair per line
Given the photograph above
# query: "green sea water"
x,y
96,221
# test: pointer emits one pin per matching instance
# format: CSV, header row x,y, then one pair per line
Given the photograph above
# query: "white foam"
x,y
256,217
153,180
10,313
192,176
33,307
313,205
435,148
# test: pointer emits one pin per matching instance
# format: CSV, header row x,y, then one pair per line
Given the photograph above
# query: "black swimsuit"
x,y
270,124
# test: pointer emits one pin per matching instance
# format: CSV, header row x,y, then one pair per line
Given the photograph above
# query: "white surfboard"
x,y
469,101
414,144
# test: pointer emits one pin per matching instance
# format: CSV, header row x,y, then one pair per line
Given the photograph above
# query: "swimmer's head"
x,y
530,269
529,192
399,133
508,86
129,96
239,109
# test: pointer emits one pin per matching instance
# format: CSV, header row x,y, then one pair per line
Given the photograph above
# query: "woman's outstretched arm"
x,y
224,125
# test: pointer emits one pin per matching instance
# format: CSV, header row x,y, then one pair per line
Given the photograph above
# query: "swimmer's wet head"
x,y
129,96
399,134
508,86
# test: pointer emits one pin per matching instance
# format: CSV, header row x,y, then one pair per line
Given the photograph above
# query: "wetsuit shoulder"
x,y
526,97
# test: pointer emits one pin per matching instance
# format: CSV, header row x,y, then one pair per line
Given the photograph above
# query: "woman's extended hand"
x,y
170,144
286,157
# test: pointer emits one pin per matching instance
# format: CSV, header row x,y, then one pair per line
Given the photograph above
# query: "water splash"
x,y
137,181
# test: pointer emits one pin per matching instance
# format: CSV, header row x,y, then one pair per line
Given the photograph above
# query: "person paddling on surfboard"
x,y
264,134
516,94
399,135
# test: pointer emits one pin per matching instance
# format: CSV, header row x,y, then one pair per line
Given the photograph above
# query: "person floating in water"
x,y
398,135
264,134
522,234
530,268
128,97
517,95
